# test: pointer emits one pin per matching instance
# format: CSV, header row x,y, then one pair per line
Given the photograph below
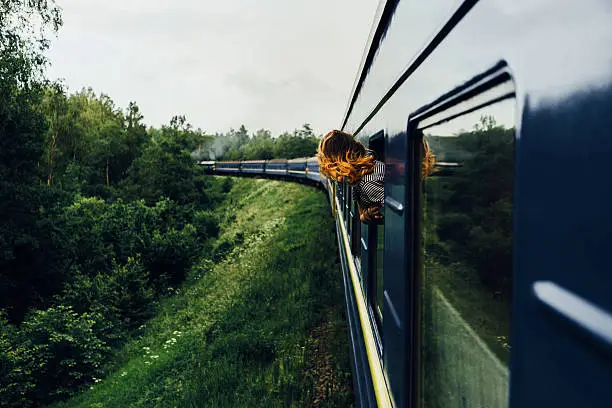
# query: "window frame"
x,y
478,93
377,144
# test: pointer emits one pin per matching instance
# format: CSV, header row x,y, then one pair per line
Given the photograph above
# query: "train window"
x,y
377,240
466,209
356,235
347,204
348,211
380,246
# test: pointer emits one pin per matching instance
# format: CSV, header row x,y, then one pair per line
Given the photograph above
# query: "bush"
x,y
55,353
169,256
123,298
168,236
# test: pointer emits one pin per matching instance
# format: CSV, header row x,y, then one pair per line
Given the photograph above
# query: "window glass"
x,y
356,230
380,250
356,236
349,213
377,231
466,258
347,202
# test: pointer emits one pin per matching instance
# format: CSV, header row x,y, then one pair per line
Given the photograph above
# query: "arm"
x,y
369,215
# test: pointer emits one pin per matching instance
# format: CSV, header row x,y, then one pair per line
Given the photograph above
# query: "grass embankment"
x,y
262,327
487,316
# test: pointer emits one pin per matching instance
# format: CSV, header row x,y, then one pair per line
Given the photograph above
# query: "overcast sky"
x,y
273,64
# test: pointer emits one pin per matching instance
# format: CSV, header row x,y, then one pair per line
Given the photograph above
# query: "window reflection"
x,y
466,276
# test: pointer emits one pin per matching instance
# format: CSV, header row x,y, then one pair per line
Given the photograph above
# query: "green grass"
x,y
487,316
264,327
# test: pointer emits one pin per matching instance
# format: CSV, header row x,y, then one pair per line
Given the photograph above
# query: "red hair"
x,y
340,154
427,167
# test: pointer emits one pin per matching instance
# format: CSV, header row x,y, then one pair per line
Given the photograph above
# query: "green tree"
x,y
260,147
475,211
23,277
301,143
167,168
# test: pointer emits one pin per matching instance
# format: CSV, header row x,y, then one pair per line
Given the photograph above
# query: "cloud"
x,y
268,64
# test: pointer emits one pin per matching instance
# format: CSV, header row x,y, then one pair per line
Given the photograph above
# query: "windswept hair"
x,y
339,154
429,160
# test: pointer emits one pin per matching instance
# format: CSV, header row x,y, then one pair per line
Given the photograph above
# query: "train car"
x,y
253,166
312,170
487,284
297,167
227,167
207,165
276,167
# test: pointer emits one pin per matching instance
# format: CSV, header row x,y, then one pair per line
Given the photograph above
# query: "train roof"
x,y
299,159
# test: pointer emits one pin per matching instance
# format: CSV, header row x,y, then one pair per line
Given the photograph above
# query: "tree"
x,y
300,143
57,110
475,204
135,137
22,130
261,146
166,167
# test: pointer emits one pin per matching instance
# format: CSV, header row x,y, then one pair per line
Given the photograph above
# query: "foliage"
x,y
22,128
103,216
473,207
236,145
56,342
263,327
123,298
166,168
167,235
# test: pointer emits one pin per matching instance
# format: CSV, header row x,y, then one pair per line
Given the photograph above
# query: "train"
x,y
488,283
304,170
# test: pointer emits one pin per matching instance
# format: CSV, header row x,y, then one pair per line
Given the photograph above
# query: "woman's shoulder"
x,y
379,167
377,174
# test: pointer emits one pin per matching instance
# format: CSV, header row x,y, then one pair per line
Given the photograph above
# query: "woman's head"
x,y
342,157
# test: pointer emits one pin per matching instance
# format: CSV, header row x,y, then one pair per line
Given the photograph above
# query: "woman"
x,y
342,158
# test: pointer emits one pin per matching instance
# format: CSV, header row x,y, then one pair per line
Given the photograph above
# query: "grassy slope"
x,y
263,327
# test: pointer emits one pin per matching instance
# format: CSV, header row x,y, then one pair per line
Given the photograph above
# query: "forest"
x,y
102,215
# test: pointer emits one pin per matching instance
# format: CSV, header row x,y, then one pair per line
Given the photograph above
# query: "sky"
x,y
272,64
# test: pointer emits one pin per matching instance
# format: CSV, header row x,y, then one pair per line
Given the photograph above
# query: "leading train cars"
x,y
487,284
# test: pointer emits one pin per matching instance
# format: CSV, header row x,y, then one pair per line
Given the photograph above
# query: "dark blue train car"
x,y
312,170
253,166
227,167
297,167
488,283
276,167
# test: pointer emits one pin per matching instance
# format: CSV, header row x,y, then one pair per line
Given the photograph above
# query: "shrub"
x,y
55,353
123,299
169,256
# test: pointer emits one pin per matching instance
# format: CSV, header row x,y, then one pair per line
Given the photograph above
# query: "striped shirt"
x,y
370,190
